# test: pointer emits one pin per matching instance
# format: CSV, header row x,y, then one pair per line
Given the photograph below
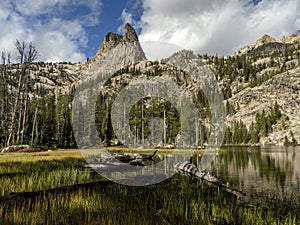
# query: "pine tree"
x,y
277,112
49,122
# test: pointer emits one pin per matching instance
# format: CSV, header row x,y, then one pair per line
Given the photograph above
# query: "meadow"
x,y
94,200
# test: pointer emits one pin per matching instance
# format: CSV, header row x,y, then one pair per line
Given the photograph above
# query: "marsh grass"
x,y
162,151
26,172
176,201
41,180
179,200
39,156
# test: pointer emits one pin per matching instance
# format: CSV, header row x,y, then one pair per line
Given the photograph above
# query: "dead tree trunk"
x,y
26,55
34,124
14,114
192,170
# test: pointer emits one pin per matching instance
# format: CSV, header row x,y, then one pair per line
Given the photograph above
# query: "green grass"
x,y
161,151
26,172
41,180
179,200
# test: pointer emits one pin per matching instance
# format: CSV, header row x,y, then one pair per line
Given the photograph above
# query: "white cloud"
x,y
92,18
44,23
159,50
39,7
58,40
216,26
126,17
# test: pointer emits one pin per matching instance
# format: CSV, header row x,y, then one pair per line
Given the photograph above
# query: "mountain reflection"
x,y
274,169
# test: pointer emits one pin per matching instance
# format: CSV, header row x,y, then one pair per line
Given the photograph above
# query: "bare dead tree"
x,y
21,49
5,96
27,54
32,53
3,92
29,58
34,125
3,57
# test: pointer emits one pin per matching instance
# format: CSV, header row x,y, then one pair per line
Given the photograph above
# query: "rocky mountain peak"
x,y
130,34
268,44
112,41
112,38
265,39
115,52
293,39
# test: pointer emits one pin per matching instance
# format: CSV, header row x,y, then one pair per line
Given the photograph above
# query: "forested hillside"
x,y
36,100
261,88
260,84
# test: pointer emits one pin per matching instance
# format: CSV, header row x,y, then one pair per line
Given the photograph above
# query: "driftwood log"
x,y
106,162
187,168
134,158
14,148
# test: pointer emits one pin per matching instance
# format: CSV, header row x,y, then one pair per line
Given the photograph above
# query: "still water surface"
x,y
250,169
257,170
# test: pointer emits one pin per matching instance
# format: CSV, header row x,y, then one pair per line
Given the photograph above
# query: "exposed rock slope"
x,y
281,84
124,44
284,89
268,44
271,74
273,77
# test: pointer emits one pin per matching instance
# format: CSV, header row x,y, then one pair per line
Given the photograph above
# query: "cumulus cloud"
x,y
59,40
40,7
58,37
216,26
126,17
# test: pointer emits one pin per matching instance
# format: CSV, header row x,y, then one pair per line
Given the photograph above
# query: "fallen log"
x,y
16,148
107,162
129,157
187,168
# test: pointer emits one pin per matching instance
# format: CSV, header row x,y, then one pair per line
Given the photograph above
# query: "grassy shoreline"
x,y
179,200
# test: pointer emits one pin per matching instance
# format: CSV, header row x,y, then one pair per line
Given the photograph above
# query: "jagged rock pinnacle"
x,y
293,39
127,44
111,39
265,39
130,34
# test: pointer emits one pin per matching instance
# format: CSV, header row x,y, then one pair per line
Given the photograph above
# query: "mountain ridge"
x,y
253,81
272,43
111,39
267,72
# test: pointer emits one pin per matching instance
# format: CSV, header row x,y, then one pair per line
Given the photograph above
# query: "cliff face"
x,y
284,89
115,52
255,78
267,72
112,40
267,44
276,64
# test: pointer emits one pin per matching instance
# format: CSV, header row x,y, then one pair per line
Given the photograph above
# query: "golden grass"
x,y
40,156
62,154
23,172
161,151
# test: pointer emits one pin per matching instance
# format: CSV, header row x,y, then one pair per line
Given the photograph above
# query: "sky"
x,y
72,30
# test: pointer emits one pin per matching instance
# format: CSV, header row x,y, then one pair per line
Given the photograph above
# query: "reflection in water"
x,y
250,169
158,169
275,169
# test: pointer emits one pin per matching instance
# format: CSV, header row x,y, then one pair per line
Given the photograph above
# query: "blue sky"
x,y
72,30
